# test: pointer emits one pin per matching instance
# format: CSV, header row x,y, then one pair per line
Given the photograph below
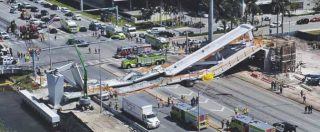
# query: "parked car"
x,y
64,9
119,36
34,9
275,24
54,7
43,25
80,43
4,35
76,17
83,29
26,5
302,21
166,34
55,17
315,19
47,5
184,33
44,12
14,6
53,30
69,14
284,127
45,19
194,41
13,11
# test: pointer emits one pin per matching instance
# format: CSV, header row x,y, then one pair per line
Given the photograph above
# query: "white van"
x,y
156,30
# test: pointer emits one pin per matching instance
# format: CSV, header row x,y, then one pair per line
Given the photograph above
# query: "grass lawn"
x,y
23,81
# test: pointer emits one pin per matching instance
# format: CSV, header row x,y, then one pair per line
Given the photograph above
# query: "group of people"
x,y
275,85
308,109
245,111
194,101
95,50
225,122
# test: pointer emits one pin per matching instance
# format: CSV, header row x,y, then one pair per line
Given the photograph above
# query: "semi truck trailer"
x,y
141,110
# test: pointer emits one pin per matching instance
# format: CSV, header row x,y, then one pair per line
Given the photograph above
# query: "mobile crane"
x,y
84,101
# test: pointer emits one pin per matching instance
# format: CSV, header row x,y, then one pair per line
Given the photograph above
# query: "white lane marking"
x,y
217,110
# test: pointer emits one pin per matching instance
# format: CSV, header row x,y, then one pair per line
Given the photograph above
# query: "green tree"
x,y
281,6
251,9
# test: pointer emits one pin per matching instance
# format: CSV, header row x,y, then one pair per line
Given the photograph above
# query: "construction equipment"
x,y
243,123
84,101
143,60
187,114
25,15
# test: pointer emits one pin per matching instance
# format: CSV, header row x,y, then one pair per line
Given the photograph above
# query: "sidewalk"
x,y
292,92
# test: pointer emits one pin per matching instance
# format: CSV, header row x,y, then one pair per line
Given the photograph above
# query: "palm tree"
x,y
280,6
251,8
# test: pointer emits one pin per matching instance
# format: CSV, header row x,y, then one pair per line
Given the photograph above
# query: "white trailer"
x,y
141,110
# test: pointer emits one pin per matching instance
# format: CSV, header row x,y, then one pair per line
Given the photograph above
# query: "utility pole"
x,y
198,111
210,22
81,5
161,12
33,53
100,79
187,44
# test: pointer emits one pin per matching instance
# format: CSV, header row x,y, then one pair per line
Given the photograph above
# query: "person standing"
x,y
304,99
280,89
222,124
228,124
311,109
89,50
95,50
301,93
305,109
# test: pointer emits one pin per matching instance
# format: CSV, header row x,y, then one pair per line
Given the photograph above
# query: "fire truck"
x,y
243,123
123,52
29,31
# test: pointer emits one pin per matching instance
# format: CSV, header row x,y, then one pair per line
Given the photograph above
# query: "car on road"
x,y
302,21
120,36
284,127
13,11
184,33
69,14
275,24
198,25
4,35
166,34
43,25
47,5
44,12
45,18
53,31
26,5
83,29
80,43
315,19
194,41
76,17
64,9
55,17
14,6
38,1
54,7
34,9
35,21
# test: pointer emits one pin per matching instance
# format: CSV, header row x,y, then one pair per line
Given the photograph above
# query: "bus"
x,y
69,26
157,43
129,30
243,123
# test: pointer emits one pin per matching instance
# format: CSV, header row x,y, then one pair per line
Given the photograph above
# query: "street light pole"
x,y
198,111
100,79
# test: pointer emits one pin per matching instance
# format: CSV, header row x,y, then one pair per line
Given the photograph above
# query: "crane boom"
x,y
85,76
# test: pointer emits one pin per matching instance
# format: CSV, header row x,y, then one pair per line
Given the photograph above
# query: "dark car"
x,y
184,33
53,30
45,19
303,21
47,5
83,29
44,12
166,34
80,43
69,14
34,9
54,7
285,127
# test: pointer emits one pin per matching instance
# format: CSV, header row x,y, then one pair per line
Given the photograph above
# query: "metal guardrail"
x,y
11,69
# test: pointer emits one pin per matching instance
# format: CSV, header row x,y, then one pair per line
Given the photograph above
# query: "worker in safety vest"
x,y
245,111
236,110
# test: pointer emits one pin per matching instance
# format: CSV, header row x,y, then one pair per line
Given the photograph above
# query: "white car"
x,y
275,24
14,6
4,35
194,41
36,22
64,10
76,17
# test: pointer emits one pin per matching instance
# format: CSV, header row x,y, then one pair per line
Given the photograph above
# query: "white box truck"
x,y
141,110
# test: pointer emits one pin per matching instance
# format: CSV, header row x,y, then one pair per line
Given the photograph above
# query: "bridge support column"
x,y
267,62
